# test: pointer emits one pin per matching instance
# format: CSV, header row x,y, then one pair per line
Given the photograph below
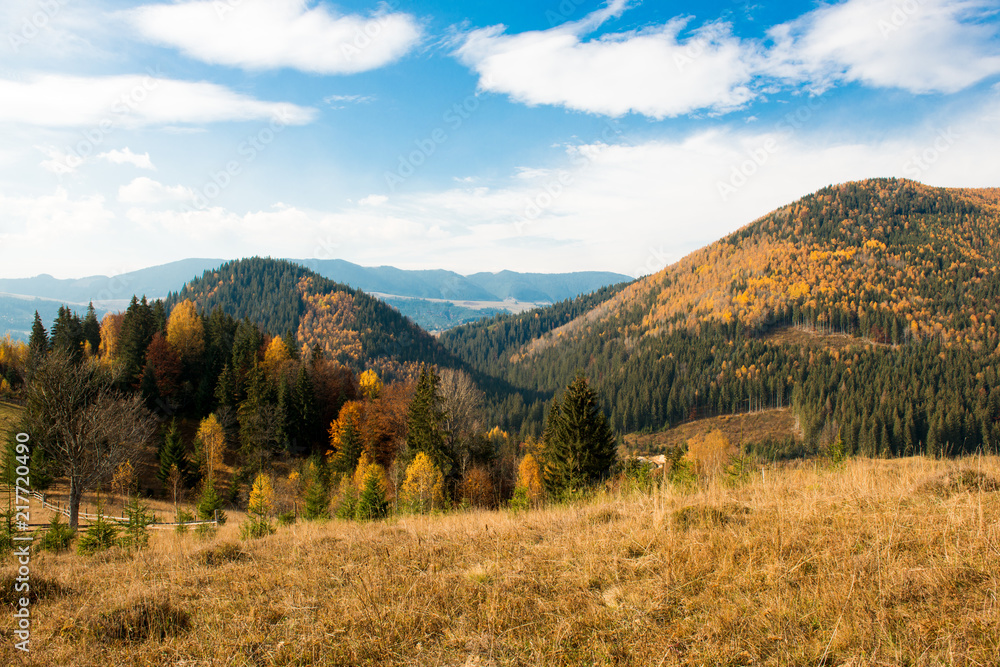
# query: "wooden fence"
x,y
56,506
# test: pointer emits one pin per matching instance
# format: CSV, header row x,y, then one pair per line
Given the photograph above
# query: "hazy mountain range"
x,y
434,299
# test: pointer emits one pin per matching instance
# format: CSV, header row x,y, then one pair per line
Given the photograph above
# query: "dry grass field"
x,y
873,563
773,424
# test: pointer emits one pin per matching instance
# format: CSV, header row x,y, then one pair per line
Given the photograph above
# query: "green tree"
x,y
424,432
173,455
372,503
92,330
38,343
579,445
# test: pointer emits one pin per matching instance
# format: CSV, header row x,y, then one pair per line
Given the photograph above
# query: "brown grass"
x,y
801,565
774,424
815,338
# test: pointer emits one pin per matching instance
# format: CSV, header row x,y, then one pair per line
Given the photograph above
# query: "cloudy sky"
x,y
533,136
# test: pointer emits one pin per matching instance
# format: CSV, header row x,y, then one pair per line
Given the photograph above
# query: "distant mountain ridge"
x,y
158,281
417,287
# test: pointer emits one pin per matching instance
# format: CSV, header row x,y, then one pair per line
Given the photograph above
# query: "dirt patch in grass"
x,y
709,516
220,554
145,619
39,588
961,480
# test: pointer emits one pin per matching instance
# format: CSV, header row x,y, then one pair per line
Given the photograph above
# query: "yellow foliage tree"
x,y
710,452
212,445
371,385
275,357
529,477
477,488
111,327
185,331
424,486
261,503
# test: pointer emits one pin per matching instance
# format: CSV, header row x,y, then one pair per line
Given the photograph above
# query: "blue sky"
x,y
541,136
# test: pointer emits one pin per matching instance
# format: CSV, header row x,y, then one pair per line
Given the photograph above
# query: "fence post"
x,y
215,517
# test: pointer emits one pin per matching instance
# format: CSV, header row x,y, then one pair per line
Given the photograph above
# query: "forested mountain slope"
x,y
348,325
910,271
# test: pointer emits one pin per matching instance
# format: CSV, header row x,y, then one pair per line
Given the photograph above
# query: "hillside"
x,y
909,272
348,325
434,299
872,563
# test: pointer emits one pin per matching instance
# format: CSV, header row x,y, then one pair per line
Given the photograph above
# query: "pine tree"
x,y
39,341
92,330
173,455
372,503
317,500
210,503
423,428
579,445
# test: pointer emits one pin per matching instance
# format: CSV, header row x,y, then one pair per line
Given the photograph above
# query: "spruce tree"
x,y
173,454
92,330
39,341
580,448
423,429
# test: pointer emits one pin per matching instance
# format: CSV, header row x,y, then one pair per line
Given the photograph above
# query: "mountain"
x,y
154,282
544,287
434,299
869,307
348,325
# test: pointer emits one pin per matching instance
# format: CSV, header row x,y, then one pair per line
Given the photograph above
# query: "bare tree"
x,y
86,426
461,402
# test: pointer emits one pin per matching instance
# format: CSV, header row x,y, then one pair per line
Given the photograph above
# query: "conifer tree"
x,y
92,330
579,445
173,455
423,428
372,503
39,341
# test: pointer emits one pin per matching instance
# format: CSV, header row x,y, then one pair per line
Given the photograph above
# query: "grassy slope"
x,y
9,414
774,424
800,565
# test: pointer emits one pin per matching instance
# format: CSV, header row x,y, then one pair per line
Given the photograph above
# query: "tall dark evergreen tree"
x,y
67,334
580,448
424,431
173,454
92,329
138,327
39,341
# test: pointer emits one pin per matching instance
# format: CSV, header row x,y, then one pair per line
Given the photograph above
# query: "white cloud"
x,y
59,162
341,101
272,34
126,156
653,72
56,100
145,190
373,200
923,46
46,233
